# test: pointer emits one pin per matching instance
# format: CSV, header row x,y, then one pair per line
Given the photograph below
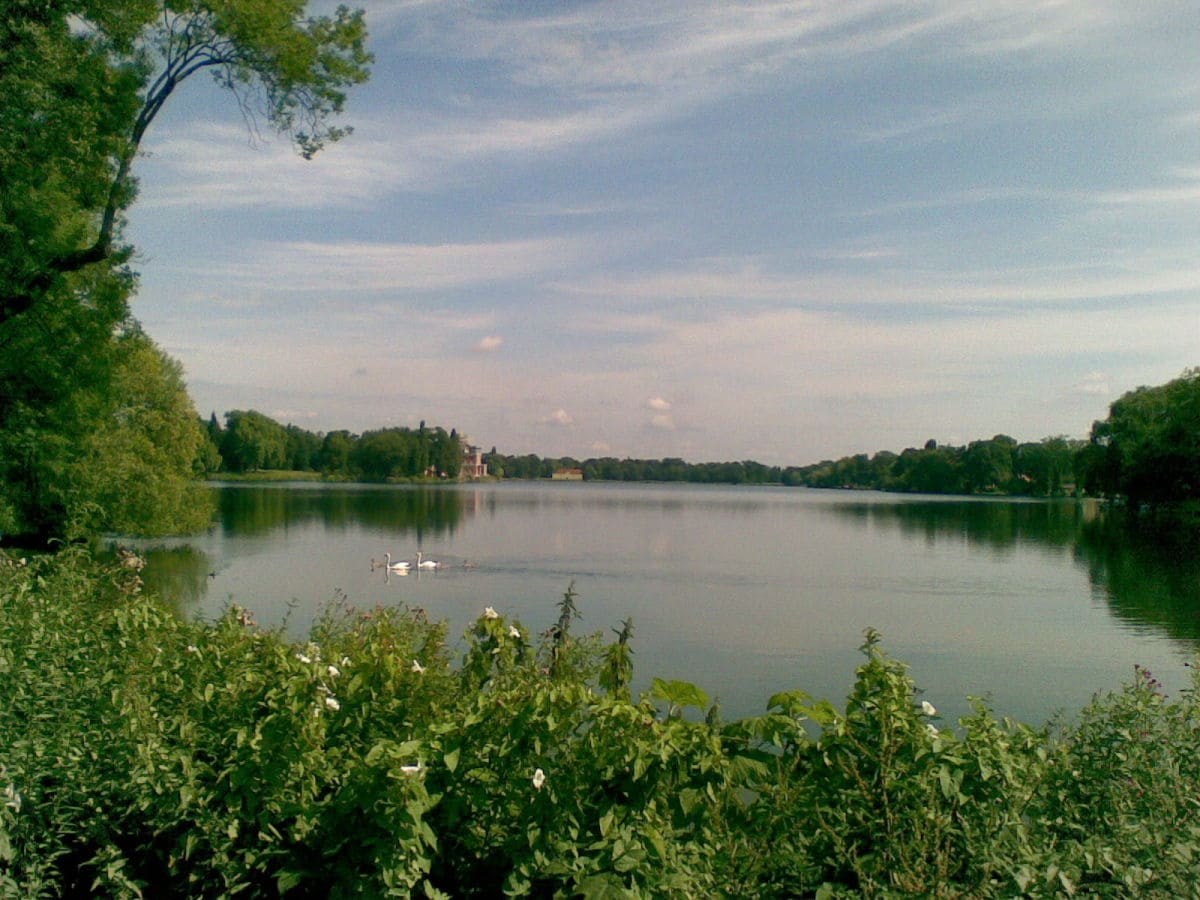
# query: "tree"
x,y
120,455
1148,449
253,441
987,466
82,81
334,458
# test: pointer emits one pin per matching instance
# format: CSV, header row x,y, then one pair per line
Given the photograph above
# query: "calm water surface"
x,y
745,591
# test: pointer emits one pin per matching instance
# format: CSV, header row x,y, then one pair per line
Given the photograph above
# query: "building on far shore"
x,y
473,465
567,475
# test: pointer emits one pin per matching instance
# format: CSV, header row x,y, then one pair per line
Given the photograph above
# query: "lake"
x,y
745,591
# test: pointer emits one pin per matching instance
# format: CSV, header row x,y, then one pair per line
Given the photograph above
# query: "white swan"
x,y
401,566
426,563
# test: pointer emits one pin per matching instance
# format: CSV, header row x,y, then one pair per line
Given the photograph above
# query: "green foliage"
x,y
82,81
118,454
399,453
1148,449
997,465
141,755
612,469
253,441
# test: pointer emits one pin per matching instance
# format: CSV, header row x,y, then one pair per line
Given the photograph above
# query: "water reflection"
x,y
811,550
259,509
1148,575
999,525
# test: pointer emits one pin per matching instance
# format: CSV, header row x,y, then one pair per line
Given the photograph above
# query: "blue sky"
x,y
776,231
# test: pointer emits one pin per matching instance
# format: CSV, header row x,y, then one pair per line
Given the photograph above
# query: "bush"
x,y
141,755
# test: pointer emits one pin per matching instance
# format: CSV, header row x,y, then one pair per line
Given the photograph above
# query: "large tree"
x,y
119,454
81,82
1148,449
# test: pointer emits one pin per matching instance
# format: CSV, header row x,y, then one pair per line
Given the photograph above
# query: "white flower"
x,y
304,659
932,729
412,770
334,671
539,778
515,632
332,703
192,648
345,662
417,667
489,613
928,708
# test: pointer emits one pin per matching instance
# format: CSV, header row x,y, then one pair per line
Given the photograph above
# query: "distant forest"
x,y
1146,451
252,442
999,465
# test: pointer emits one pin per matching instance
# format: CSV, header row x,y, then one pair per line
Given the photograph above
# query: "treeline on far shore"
x,y
999,465
1147,452
250,441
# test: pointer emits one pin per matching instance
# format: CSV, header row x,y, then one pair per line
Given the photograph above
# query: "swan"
x,y
426,563
401,566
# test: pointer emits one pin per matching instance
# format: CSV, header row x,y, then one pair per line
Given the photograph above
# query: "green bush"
x,y
142,755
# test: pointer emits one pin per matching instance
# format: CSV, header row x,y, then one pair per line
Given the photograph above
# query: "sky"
x,y
781,231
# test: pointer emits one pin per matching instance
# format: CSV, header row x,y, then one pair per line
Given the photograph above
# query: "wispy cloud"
x,y
362,266
894,286
1184,189
207,165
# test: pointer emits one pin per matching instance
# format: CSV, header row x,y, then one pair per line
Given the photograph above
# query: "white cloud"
x,y
658,403
207,165
291,415
489,343
560,417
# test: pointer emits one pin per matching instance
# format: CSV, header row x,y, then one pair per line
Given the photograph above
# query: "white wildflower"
x,y
303,658
928,708
514,632
332,703
539,778
489,613
932,729
412,769
333,671
417,667
192,648
345,662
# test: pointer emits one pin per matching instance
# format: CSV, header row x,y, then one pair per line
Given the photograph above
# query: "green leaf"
x,y
679,693
606,822
602,887
287,880
451,759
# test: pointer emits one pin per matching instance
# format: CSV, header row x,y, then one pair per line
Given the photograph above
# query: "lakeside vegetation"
x,y
148,756
254,444
145,755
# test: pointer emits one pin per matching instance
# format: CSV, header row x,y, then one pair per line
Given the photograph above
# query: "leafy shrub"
x,y
141,755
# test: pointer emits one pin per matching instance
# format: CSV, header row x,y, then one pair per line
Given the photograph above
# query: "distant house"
x,y
567,475
473,465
